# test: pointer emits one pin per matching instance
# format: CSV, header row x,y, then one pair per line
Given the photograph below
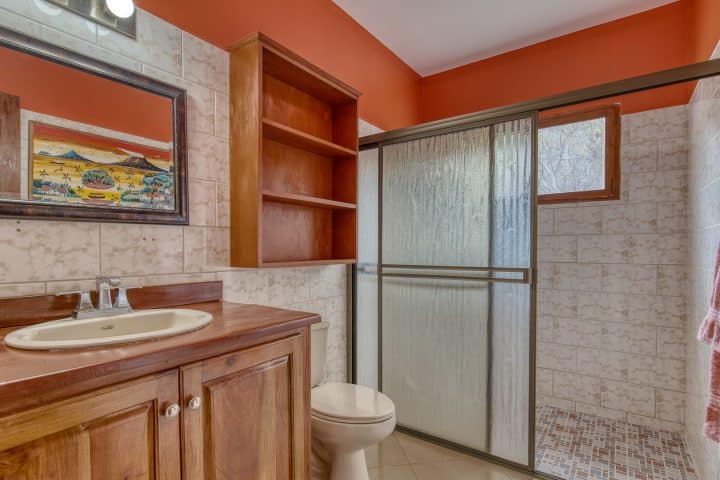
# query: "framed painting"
x,y
71,167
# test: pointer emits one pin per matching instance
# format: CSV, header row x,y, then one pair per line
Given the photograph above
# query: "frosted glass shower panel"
x,y
436,199
510,303
435,356
366,280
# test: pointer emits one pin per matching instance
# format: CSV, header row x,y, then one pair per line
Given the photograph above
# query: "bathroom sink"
x,y
94,332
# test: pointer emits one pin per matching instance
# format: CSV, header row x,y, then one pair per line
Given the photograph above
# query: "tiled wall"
x,y
704,236
611,313
39,257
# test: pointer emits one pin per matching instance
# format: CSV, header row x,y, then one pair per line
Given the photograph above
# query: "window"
x,y
579,156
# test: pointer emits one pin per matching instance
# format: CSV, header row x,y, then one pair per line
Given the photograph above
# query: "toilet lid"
x,y
347,403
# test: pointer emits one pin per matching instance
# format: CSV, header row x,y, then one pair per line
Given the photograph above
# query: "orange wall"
x,y
319,31
706,28
650,41
53,89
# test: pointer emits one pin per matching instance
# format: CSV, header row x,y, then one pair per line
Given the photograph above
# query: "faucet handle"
x,y
121,300
85,303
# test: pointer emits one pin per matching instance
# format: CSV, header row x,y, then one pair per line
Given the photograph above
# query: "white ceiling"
x,y
435,35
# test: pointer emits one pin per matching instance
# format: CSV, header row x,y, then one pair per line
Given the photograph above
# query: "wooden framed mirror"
x,y
82,139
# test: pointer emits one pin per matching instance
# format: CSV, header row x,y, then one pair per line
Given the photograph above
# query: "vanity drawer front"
x,y
117,432
252,418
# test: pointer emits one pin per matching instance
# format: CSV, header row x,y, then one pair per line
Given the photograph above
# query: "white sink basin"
x,y
94,332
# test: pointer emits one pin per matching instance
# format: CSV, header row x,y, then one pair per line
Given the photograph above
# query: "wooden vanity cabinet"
x,y
241,416
115,433
252,419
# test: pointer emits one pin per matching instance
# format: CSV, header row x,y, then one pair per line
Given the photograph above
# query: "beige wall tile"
x,y
217,241
222,115
557,303
201,109
205,64
603,306
667,186
655,423
203,202
245,286
670,406
19,23
672,217
658,249
50,15
639,279
158,43
194,249
620,337
557,249
629,398
673,153
576,276
672,280
658,310
545,220
140,249
21,289
578,388
556,357
570,331
603,249
630,218
208,158
180,278
600,411
568,405
671,343
641,156
32,251
577,220
544,381
602,364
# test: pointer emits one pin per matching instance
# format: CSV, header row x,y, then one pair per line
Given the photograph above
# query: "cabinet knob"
x,y
172,410
194,403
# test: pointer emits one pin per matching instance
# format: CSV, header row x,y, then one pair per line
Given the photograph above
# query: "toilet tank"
x,y
318,350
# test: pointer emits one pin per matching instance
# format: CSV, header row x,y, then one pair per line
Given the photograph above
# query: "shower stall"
x,y
444,290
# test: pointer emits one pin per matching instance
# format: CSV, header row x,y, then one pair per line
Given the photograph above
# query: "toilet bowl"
x,y
344,418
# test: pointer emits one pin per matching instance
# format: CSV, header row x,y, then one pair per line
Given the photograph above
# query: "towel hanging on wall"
x,y
710,334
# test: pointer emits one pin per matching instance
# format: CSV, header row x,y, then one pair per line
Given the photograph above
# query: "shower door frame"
x,y
673,76
528,278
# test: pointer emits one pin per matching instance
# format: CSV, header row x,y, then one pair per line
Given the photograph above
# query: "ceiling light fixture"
x,y
121,8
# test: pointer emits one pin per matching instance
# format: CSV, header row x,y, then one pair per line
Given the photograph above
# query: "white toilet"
x,y
345,419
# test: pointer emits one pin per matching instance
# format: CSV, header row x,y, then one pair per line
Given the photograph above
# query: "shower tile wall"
x,y
611,312
704,235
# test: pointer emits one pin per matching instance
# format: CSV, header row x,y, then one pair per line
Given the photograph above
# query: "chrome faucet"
x,y
105,306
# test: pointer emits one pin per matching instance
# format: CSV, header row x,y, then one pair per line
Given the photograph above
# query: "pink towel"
x,y
710,334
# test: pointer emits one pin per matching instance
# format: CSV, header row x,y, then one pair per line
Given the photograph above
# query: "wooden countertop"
x,y
32,378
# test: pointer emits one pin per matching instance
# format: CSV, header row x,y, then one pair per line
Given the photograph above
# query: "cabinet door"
x,y
115,433
252,421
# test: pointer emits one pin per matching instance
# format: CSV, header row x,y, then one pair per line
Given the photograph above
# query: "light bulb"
x,y
121,8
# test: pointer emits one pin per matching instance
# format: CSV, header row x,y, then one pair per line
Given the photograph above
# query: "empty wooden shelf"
x,y
306,200
293,169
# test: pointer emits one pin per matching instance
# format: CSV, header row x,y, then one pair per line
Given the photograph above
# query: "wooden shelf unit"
x,y
293,168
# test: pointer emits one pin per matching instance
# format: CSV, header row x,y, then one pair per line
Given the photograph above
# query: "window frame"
x,y
611,113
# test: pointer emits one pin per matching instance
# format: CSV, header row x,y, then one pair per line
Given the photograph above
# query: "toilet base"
x,y
342,465
349,466
338,449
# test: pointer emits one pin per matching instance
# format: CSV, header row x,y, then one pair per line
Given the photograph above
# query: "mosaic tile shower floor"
x,y
578,446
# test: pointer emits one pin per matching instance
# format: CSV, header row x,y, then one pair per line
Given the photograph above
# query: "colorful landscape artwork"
x,y
72,167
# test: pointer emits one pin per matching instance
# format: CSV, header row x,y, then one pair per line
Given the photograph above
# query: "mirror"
x,y
86,140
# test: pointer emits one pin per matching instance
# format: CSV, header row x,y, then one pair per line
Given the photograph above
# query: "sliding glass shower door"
x,y
453,277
